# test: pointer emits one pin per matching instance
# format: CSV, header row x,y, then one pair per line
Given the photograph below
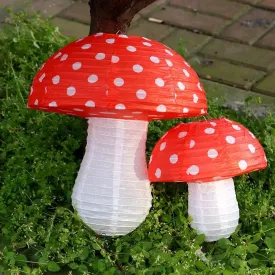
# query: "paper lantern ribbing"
x,y
206,155
118,83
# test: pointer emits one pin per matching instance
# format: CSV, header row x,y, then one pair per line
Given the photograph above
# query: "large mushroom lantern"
x,y
207,155
118,83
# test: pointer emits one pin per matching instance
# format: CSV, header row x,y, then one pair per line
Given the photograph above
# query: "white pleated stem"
x,y
214,208
112,192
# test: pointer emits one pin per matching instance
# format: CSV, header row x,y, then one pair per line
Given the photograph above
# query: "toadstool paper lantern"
x,y
207,155
118,83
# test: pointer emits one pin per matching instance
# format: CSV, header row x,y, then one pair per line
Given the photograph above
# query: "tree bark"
x,y
114,16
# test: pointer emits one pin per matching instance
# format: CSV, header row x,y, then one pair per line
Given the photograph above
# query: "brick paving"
x,y
230,43
191,20
262,59
225,8
226,72
268,4
250,27
268,41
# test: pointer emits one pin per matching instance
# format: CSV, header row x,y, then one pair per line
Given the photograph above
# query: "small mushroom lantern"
x,y
118,83
206,155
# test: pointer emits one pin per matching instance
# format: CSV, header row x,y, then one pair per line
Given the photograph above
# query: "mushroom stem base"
x,y
214,208
112,192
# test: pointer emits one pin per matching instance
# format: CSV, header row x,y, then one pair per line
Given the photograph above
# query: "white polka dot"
x,y
161,109
120,107
154,59
195,98
209,131
123,36
162,146
202,111
242,164
100,56
92,78
110,41
158,173
174,158
137,68
185,110
167,51
147,44
230,139
115,59
181,86
187,64
193,170
159,82
151,158
251,148
182,134
77,65
212,153
99,34
90,103
141,94
169,63
186,73
78,110
192,143
71,91
119,82
236,127
56,79
86,46
213,123
36,102
252,135
64,57
131,49
42,77
56,56
53,104
199,86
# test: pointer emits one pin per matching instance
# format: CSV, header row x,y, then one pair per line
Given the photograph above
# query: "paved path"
x,y
230,43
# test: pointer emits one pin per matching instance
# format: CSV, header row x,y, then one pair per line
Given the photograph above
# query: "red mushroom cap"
x,y
117,76
205,151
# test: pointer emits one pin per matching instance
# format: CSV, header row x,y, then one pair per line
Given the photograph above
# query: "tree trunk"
x,y
114,16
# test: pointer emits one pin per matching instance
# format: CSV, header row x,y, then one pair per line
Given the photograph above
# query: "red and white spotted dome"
x,y
205,151
117,76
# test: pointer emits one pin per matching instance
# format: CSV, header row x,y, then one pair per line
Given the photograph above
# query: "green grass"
x,y
40,154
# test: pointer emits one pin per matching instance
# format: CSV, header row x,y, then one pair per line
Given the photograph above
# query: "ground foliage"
x,y
40,154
